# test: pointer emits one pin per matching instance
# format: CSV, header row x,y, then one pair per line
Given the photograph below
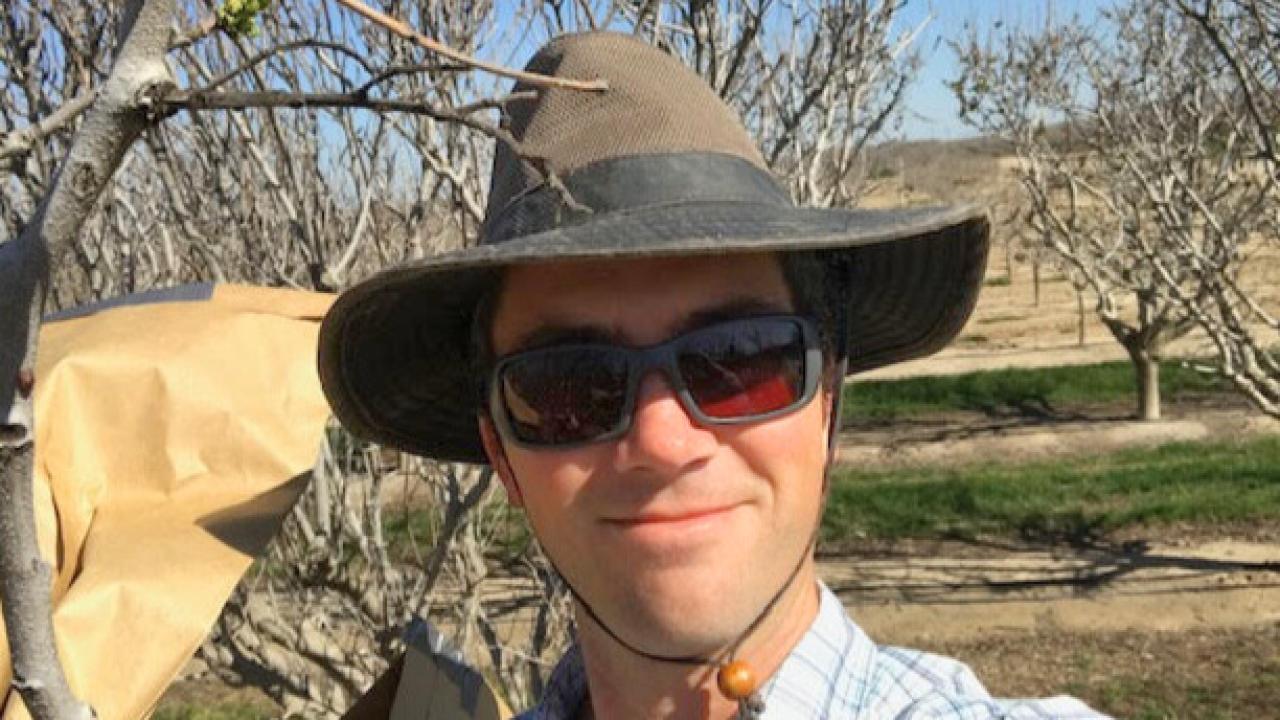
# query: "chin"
x,y
691,611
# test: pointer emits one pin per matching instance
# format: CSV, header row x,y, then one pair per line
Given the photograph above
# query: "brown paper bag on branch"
x,y
174,431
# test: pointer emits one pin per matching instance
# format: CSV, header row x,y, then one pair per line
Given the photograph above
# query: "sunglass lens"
x,y
564,396
744,369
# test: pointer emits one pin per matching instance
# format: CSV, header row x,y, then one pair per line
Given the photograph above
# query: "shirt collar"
x,y
805,678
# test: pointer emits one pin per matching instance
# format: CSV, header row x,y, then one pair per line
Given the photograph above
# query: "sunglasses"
x,y
735,372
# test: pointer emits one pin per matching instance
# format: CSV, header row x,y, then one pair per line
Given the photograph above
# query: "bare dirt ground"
x,y
964,438
1184,628
963,594
1202,673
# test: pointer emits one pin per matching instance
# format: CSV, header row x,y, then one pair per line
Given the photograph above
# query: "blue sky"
x,y
931,111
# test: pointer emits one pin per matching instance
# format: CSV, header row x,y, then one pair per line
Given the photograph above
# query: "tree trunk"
x,y
109,128
1147,369
25,586
1081,315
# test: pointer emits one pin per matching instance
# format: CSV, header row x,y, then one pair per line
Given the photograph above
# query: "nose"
x,y
663,437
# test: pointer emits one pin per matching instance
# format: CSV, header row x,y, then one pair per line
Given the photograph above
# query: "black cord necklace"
x,y
735,678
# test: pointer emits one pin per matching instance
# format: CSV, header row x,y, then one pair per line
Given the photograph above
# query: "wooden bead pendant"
x,y
736,680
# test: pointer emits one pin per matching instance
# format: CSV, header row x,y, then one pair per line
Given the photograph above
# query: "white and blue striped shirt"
x,y
836,671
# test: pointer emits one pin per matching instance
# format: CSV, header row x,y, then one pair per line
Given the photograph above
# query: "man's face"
x,y
677,534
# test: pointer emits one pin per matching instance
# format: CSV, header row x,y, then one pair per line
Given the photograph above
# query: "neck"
x,y
623,684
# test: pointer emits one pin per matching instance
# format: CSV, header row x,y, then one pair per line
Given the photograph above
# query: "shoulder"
x,y
836,671
907,673
914,685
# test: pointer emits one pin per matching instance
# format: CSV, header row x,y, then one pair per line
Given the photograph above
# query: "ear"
x,y
830,396
827,394
828,428
498,459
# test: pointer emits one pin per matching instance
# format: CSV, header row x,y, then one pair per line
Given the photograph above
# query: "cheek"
x,y
790,451
551,483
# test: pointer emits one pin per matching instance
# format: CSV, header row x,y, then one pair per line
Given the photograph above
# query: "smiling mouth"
x,y
659,519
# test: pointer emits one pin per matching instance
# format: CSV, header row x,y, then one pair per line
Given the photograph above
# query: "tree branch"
x,y
284,48
395,71
20,142
199,100
113,123
185,38
408,33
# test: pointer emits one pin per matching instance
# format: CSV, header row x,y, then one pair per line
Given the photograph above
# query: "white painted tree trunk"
x,y
1147,369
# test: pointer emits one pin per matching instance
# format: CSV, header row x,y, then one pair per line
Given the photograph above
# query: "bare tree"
x,y
1127,162
1147,148
1243,72
352,144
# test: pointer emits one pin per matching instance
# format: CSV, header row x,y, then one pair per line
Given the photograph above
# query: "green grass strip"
x,y
1182,482
1022,391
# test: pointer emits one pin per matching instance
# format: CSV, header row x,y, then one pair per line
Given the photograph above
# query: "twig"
x,y
20,142
495,103
408,33
397,70
283,48
176,100
198,100
186,38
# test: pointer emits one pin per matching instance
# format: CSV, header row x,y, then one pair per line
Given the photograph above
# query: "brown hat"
x,y
657,165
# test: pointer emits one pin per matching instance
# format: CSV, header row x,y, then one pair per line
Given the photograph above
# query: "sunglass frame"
x,y
662,356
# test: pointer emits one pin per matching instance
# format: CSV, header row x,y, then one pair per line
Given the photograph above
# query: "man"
x,y
648,347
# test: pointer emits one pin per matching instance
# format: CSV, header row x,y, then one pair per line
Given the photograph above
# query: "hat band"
x,y
628,183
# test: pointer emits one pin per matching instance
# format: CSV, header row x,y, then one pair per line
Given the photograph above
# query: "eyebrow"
x,y
562,334
730,310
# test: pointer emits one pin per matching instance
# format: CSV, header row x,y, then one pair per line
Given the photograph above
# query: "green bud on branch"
x,y
239,17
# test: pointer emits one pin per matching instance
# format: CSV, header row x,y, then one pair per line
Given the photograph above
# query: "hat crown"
x,y
654,104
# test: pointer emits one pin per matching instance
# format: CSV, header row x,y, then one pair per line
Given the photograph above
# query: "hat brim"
x,y
394,350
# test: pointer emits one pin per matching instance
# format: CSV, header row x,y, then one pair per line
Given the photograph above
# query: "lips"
x,y
670,537
669,518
